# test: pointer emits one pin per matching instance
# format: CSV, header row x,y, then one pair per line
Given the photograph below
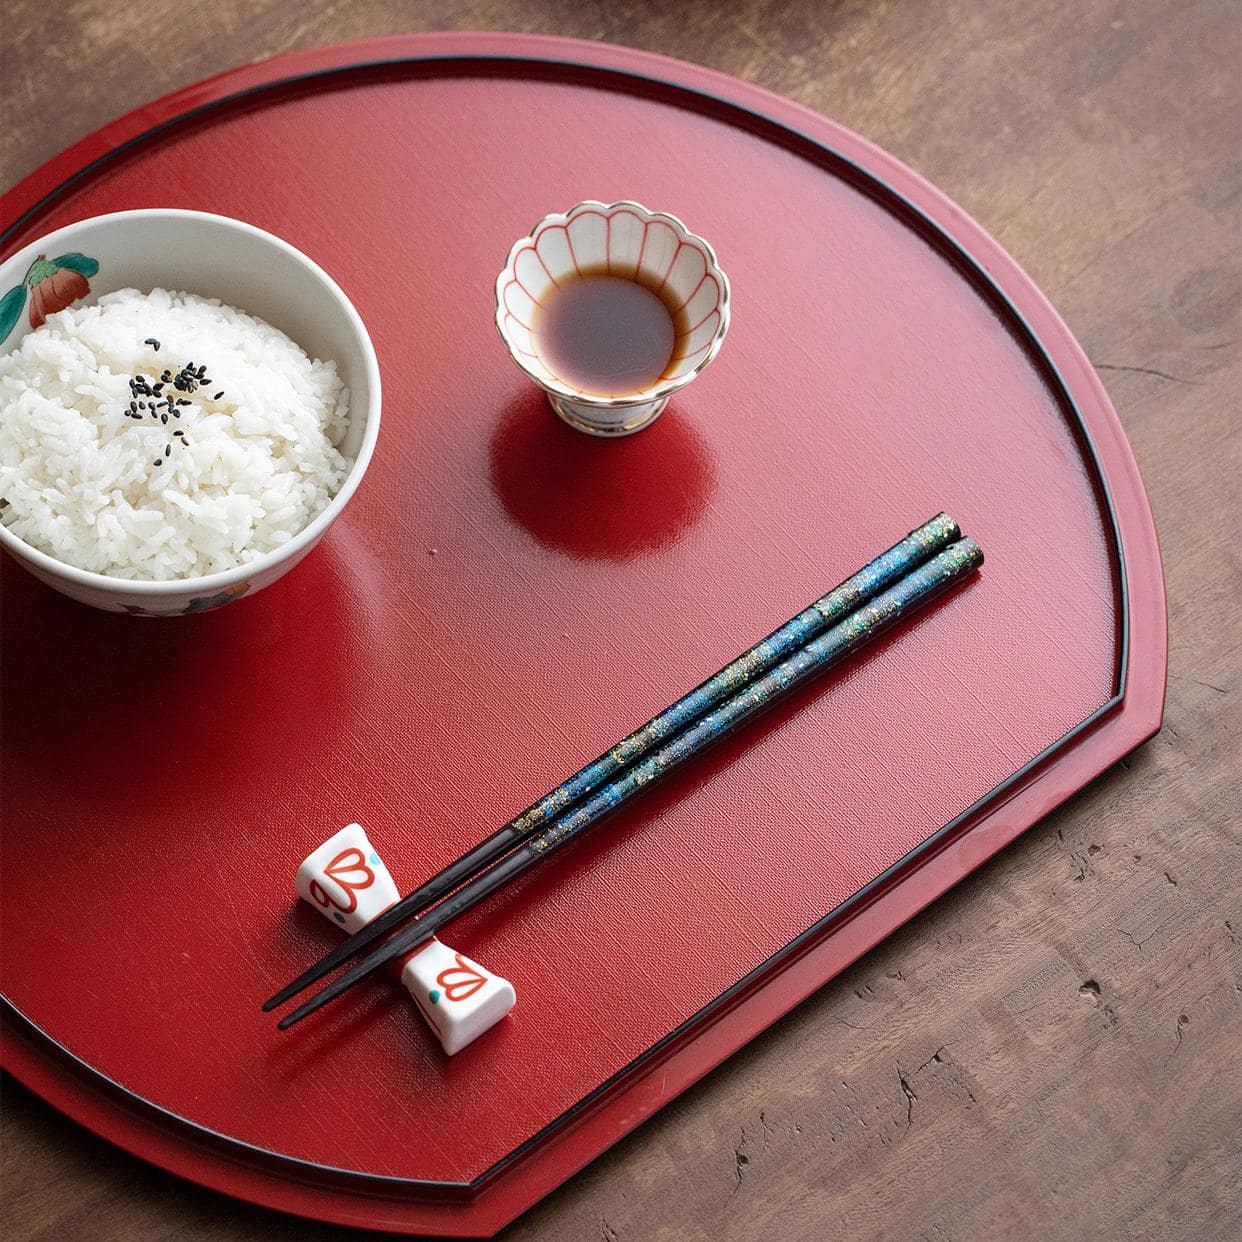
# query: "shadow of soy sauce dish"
x,y
598,499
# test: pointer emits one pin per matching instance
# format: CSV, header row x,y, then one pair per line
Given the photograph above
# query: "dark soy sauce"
x,y
606,335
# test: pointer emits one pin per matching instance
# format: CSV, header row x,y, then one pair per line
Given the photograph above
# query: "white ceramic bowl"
x,y
621,239
244,267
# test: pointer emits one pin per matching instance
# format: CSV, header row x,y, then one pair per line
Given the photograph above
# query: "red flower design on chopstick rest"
x,y
347,864
457,996
462,981
53,284
346,880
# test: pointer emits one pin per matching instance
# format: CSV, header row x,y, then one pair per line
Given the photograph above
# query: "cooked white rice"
x,y
77,475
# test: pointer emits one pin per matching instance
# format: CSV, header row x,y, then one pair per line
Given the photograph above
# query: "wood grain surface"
x,y
1051,1050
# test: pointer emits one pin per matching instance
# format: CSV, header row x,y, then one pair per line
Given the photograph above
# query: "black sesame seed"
x,y
183,401
152,341
163,418
167,450
176,413
218,395
159,461
178,432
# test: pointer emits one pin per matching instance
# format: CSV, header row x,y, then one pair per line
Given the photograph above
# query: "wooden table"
x,y
1052,1049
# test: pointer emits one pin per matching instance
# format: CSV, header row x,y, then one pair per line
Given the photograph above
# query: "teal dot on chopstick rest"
x,y
434,995
375,858
340,918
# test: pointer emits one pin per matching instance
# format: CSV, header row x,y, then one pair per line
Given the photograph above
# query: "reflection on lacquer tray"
x,y
98,700
593,498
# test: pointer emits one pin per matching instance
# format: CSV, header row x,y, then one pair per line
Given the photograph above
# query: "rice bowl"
x,y
234,264
107,466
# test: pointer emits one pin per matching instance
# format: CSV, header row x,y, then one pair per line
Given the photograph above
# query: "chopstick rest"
x,y
459,999
347,882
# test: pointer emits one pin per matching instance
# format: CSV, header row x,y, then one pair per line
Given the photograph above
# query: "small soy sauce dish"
x,y
610,309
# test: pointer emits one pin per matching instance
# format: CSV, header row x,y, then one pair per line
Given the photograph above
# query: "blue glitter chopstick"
x,y
859,627
860,587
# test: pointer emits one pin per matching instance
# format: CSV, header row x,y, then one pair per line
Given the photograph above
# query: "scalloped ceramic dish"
x,y
623,239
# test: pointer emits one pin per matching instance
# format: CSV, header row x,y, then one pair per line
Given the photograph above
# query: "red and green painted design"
x,y
51,284
204,603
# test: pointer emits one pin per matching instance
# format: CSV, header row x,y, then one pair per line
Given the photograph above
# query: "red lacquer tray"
x,y
505,597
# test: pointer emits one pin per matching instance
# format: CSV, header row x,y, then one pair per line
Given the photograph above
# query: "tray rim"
x,y
33,1056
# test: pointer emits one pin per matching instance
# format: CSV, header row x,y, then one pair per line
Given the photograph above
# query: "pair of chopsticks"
x,y
910,574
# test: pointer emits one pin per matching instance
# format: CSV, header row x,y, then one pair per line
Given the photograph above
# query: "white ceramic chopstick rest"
x,y
456,995
346,881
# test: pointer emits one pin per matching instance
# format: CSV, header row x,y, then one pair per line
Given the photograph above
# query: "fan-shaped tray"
x,y
506,597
